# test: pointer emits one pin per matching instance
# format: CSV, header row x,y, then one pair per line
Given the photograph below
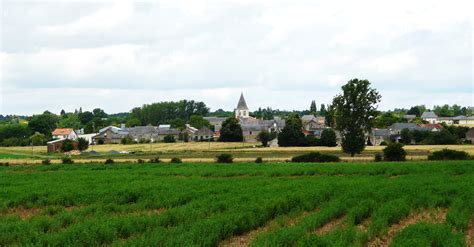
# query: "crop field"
x,y
206,152
417,203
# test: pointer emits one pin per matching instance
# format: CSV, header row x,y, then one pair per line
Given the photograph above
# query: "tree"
x,y
322,110
63,112
70,121
133,122
85,117
68,145
386,119
406,136
198,122
37,139
394,152
415,110
329,116
355,111
292,133
44,123
177,123
328,138
264,137
82,144
312,108
169,139
231,131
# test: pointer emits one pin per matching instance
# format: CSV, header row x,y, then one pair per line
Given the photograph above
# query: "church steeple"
x,y
242,111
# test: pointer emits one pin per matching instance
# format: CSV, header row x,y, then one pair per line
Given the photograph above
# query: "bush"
x,y
67,146
82,144
67,160
383,143
224,158
447,154
377,157
315,157
176,160
259,160
328,138
169,139
155,160
140,161
46,162
126,140
109,161
394,152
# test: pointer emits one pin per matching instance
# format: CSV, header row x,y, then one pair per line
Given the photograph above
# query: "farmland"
x,y
417,203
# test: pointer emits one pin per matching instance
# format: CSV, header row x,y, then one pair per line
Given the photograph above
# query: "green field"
x,y
279,204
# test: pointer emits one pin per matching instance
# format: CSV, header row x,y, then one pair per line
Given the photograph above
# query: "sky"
x,y
118,55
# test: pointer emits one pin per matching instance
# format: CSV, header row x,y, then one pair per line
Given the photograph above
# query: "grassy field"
x,y
206,152
345,204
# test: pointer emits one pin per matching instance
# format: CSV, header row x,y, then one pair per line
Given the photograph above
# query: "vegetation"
x,y
394,152
109,161
210,204
291,134
328,138
67,160
264,137
259,160
82,144
378,157
355,110
231,131
315,157
169,139
176,160
67,145
448,154
155,160
224,158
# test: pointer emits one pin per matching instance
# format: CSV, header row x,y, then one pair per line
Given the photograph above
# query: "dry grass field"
x,y
206,152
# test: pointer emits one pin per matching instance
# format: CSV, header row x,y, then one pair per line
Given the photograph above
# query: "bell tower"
x,y
242,111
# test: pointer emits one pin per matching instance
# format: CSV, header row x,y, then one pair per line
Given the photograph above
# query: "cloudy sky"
x,y
120,54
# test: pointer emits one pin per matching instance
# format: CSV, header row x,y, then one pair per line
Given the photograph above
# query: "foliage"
x,y
292,133
13,133
312,109
197,121
425,234
387,119
378,157
176,160
440,137
67,145
259,160
82,144
448,154
224,158
127,140
132,122
38,139
328,138
315,157
394,152
451,111
44,123
415,110
109,161
169,139
355,111
46,162
69,120
231,131
155,160
165,112
405,136
264,137
67,160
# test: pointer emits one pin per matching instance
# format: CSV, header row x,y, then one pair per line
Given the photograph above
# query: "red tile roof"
x,y
431,126
62,132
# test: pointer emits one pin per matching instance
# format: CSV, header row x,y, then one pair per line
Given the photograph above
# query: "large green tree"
x,y
231,131
292,133
355,111
44,123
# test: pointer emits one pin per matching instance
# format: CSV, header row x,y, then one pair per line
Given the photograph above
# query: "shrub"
x,y
224,158
109,161
67,160
315,157
378,157
140,161
155,160
328,138
126,140
259,160
82,144
176,160
394,152
67,145
448,154
383,143
169,139
46,162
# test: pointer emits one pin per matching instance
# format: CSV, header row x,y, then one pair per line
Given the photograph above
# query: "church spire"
x,y
242,105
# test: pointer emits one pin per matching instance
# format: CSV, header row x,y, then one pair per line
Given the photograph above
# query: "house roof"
x,y
409,116
428,114
431,126
305,118
400,126
242,105
62,131
381,132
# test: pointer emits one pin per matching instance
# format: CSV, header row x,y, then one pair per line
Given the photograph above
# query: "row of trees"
x,y
448,135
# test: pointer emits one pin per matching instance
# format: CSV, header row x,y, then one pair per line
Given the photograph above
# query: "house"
x,y
313,127
64,133
318,119
56,145
379,135
430,117
88,137
445,120
138,133
463,120
470,135
203,134
409,117
110,134
432,127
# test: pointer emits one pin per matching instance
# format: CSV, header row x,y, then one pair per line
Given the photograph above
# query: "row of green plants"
x,y
395,152
204,204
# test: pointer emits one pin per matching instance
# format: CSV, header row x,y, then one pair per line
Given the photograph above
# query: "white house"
x,y
64,133
430,117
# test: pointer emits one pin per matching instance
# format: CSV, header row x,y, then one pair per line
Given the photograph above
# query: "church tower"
x,y
242,111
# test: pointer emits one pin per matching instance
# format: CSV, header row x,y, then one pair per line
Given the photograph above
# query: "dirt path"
x,y
437,216
470,234
246,239
330,226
